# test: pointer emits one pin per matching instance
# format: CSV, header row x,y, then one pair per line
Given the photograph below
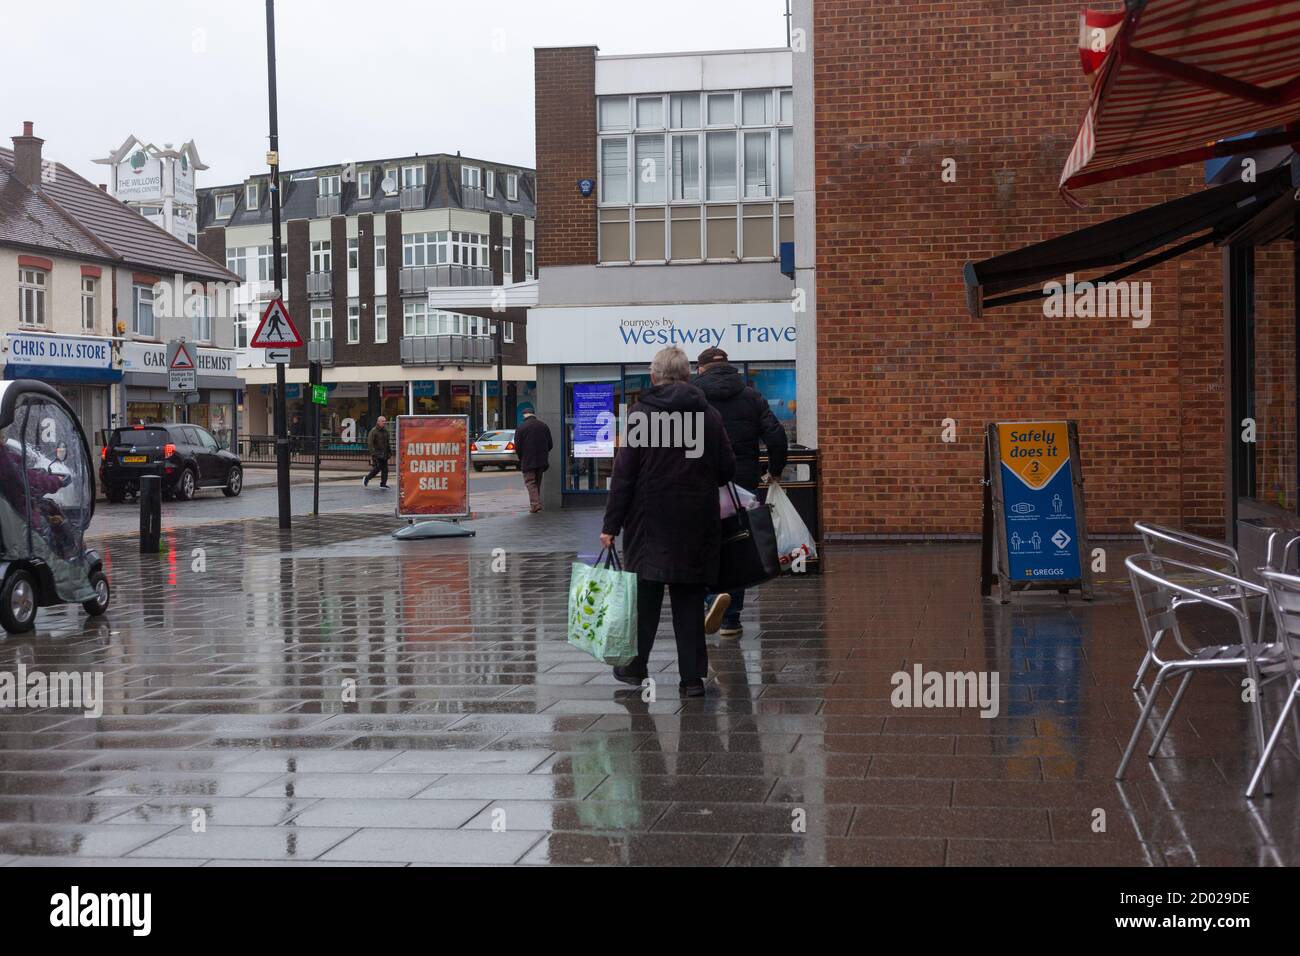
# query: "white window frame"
x,y
415,314
507,260
507,332
354,323
142,295
228,201
201,325
330,185
415,179
512,187
381,252
391,172
474,181
490,183
33,297
251,197
89,292
381,320
364,184
322,256
529,270
322,319
354,253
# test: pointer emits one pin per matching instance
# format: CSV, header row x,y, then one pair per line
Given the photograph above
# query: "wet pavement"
x,y
335,697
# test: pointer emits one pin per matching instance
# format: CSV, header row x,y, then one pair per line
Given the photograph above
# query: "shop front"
x,y
146,399
79,366
594,362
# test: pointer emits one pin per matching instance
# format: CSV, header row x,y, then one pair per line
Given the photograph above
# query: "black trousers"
x,y
688,625
379,466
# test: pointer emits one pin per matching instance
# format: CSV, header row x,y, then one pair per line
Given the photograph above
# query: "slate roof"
x,y
73,216
298,201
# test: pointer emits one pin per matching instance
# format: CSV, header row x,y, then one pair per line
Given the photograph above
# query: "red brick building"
x,y
900,87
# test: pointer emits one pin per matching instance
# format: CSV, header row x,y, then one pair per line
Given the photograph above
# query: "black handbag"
x,y
749,556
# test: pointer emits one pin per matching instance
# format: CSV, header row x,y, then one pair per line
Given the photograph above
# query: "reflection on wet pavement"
x,y
338,698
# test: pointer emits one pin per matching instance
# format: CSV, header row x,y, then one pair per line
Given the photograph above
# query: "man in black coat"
x,y
748,420
533,445
665,501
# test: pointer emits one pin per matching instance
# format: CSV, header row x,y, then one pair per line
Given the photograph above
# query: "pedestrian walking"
x,y
380,452
748,421
665,502
533,445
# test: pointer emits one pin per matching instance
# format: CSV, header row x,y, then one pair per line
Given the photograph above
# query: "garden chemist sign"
x,y
1033,508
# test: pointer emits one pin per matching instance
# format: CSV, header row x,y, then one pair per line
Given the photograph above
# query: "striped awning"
x,y
1171,79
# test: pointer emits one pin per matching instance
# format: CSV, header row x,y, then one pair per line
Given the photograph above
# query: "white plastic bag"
x,y
727,505
792,536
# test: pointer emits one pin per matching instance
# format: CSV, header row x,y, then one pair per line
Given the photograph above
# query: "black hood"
x,y
674,397
720,382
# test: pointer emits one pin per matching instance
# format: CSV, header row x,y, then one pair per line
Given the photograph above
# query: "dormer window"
x,y
328,185
251,197
512,186
490,183
225,205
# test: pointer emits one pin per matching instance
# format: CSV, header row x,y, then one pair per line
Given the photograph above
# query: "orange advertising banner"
x,y
432,466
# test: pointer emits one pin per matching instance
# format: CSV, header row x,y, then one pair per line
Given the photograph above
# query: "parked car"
x,y
186,457
494,448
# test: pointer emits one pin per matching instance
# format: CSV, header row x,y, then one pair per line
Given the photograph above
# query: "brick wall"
x,y
900,86
565,91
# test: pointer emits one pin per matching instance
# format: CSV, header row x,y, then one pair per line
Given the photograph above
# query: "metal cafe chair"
x,y
1284,597
1159,600
1157,540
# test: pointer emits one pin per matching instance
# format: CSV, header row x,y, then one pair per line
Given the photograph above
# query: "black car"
x,y
186,457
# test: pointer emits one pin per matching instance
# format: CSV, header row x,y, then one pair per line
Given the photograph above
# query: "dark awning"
x,y
1133,243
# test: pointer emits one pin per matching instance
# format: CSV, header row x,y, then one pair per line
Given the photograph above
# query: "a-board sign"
x,y
432,466
1035,535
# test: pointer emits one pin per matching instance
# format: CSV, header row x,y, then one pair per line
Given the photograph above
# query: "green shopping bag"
x,y
602,610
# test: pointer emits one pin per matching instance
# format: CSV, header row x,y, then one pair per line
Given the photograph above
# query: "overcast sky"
x,y
357,80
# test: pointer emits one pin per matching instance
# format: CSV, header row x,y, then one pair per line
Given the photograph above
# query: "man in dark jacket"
x,y
533,445
748,420
665,501
380,452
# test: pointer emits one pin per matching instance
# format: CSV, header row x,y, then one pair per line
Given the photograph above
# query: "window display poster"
x,y
593,417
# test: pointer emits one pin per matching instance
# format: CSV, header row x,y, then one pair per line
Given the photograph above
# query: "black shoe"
x,y
692,690
629,674
365,482
383,487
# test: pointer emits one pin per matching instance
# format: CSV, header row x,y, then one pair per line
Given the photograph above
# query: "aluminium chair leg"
x,y
1257,712
1146,660
1288,708
1141,722
1169,716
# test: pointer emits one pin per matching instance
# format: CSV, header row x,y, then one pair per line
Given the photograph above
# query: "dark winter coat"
x,y
378,441
748,420
665,503
533,444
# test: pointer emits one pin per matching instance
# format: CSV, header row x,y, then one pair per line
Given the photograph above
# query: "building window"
x,y
613,170
412,176
490,183
471,176
507,261
363,184
328,185
390,180
756,108
758,165
722,109
684,111
720,160
424,249
528,258
225,205
508,333
87,304
242,318
470,249
651,169
614,114
202,320
415,318
250,197
785,164
322,322
512,187
381,252
354,324
235,262
650,112
31,296
381,321
142,321
265,264
321,257
354,253
685,162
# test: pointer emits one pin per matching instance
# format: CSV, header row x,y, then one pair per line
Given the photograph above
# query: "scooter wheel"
x,y
99,603
18,602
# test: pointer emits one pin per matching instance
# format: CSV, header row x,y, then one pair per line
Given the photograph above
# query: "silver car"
x,y
494,448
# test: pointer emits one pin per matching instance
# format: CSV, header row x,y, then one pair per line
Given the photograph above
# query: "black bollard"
x,y
150,513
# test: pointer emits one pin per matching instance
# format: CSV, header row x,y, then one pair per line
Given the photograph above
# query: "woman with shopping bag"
x,y
665,502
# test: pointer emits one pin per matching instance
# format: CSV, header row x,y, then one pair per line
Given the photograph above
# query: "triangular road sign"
x,y
276,330
182,361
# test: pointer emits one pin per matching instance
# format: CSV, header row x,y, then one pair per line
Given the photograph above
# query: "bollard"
x,y
150,513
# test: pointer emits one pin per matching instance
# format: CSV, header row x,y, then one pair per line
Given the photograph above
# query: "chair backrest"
x,y
1280,547
1156,594
1157,539
1284,596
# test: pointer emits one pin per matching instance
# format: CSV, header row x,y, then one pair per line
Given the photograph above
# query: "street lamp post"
x,y
273,160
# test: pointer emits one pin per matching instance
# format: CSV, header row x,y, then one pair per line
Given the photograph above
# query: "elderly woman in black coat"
x,y
663,496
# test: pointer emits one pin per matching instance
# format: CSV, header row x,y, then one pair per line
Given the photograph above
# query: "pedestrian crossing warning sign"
x,y
276,330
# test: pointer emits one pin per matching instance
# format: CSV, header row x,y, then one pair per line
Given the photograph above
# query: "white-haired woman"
x,y
663,496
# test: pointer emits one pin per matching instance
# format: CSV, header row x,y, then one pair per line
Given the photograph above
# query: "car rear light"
x,y
168,450
103,453
138,428
510,446
473,446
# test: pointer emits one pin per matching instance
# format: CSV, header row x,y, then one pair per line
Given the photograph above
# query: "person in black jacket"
x,y
665,501
748,420
533,444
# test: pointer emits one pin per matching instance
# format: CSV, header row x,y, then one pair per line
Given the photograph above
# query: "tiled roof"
x,y
27,218
442,191
112,228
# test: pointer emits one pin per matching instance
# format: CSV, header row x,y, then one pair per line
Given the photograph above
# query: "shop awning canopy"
x,y
1171,79
1140,240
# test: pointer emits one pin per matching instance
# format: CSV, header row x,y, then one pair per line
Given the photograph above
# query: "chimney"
x,y
27,156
